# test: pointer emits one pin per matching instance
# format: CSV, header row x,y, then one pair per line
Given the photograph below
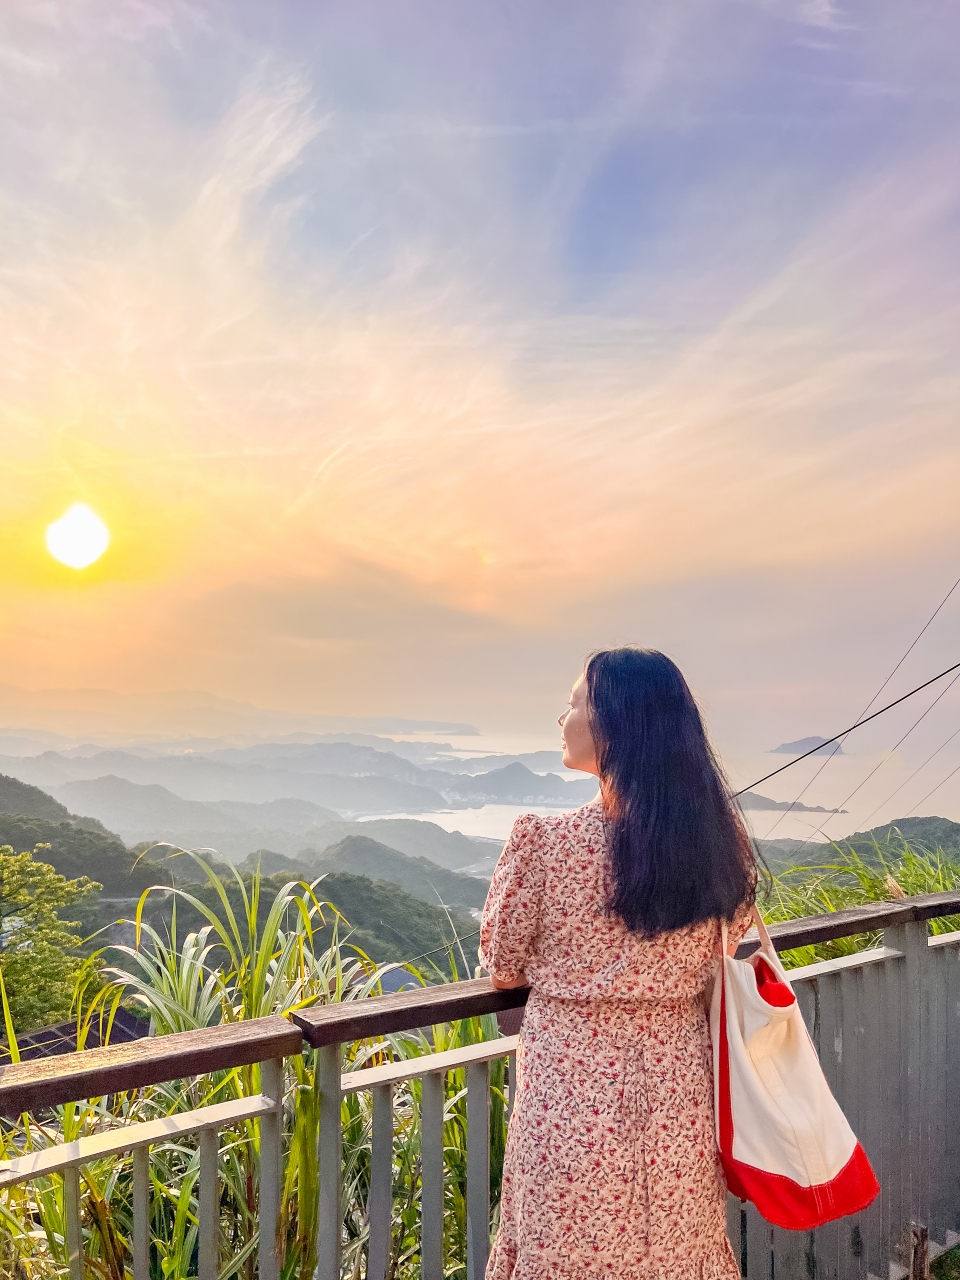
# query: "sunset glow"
x,y
79,538
415,354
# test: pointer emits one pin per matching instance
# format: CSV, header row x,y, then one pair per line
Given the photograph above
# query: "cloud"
x,y
349,356
357,603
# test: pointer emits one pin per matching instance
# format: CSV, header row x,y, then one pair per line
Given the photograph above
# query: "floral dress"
x,y
611,1169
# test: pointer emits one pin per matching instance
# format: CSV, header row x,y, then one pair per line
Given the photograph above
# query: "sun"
x,y
78,538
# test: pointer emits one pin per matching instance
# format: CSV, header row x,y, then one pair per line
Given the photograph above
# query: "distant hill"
x,y
519,785
803,745
412,836
143,811
538,761
196,777
287,814
927,834
20,797
361,856
350,778
753,800
922,833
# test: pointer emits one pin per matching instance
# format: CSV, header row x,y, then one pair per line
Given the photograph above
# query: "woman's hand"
x,y
507,984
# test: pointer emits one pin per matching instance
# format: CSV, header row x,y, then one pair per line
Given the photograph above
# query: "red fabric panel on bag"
x,y
786,1204
770,987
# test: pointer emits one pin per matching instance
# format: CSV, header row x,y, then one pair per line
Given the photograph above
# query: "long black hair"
x,y
679,847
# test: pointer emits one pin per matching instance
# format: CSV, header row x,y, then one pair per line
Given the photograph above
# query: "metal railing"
x,y
885,1021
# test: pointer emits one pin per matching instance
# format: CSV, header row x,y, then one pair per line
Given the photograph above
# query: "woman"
x,y
612,915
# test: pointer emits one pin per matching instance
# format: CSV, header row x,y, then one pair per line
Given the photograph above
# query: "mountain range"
x,y
352,780
370,869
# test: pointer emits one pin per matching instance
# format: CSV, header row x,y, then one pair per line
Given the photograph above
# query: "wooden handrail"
x,y
30,1086
48,1082
866,919
381,1015
423,1007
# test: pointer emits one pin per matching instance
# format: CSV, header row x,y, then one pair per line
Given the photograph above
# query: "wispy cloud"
x,y
501,344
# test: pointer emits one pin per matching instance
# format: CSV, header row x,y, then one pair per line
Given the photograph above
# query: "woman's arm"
x,y
507,984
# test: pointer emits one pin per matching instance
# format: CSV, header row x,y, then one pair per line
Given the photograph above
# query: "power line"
x,y
866,720
938,786
919,769
912,647
893,748
903,659
423,956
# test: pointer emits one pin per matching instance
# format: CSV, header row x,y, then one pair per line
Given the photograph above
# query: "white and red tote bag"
x,y
784,1143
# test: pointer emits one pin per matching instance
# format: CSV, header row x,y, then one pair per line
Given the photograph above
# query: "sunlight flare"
x,y
79,538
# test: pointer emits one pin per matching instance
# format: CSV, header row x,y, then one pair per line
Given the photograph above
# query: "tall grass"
x,y
232,969
890,871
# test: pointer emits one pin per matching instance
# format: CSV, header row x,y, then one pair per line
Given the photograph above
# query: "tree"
x,y
35,943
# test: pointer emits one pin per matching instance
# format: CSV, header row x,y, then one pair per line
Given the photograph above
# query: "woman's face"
x,y
578,749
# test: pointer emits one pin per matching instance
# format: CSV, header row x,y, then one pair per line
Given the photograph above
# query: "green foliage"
x,y
880,873
39,971
387,924
260,949
241,947
925,835
947,1266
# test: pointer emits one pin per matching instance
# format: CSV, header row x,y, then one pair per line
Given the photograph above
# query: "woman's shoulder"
x,y
585,823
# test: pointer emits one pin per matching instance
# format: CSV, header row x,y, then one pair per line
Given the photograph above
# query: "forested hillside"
x,y
926,835
361,856
21,797
75,851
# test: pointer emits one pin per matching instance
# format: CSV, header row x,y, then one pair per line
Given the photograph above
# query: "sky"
x,y
412,350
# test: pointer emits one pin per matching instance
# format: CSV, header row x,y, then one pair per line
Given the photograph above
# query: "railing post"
x,y
431,1176
209,1197
271,1157
329,1217
478,1168
380,1195
72,1230
141,1213
913,1197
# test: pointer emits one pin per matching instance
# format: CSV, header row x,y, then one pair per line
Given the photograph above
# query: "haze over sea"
x,y
872,804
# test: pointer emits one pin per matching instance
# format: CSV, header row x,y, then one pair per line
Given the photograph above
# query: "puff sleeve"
x,y
511,914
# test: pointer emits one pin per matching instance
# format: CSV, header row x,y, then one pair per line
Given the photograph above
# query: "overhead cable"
x,y
919,769
906,653
837,736
897,744
937,787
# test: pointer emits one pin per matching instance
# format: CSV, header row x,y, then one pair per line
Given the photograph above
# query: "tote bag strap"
x,y
761,928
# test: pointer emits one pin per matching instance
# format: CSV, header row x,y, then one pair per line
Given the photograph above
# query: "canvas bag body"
x,y
784,1143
